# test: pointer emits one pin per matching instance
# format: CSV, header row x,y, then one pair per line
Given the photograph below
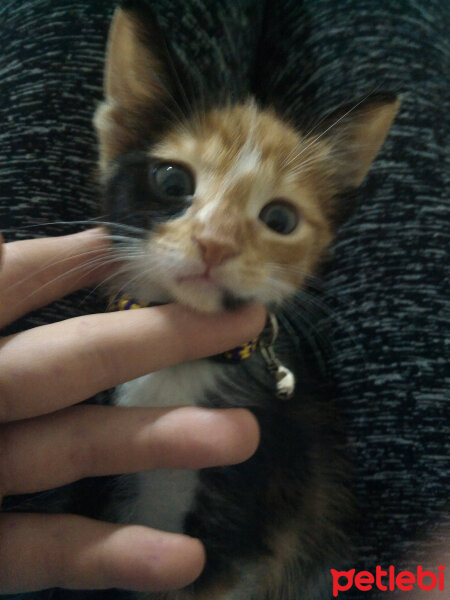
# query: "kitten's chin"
x,y
205,295
200,297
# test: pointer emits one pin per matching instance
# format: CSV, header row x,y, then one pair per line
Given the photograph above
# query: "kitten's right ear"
x,y
354,135
137,81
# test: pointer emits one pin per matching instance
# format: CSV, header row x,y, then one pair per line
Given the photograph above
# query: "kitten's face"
x,y
235,205
246,223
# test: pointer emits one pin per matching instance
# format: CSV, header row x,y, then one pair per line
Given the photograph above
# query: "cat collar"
x,y
284,378
236,355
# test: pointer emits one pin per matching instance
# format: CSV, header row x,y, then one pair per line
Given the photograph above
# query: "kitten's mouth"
x,y
205,292
204,279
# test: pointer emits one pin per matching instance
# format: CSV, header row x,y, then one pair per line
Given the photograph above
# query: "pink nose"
x,y
215,251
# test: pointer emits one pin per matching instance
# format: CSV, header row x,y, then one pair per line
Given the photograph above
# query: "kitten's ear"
x,y
135,58
356,134
137,81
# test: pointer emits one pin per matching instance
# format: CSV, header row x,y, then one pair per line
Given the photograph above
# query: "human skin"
x,y
47,439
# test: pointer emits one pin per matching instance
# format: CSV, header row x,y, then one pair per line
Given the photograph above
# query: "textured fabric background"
x,y
386,285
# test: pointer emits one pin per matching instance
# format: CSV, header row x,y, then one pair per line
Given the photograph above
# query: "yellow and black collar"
x,y
236,355
284,379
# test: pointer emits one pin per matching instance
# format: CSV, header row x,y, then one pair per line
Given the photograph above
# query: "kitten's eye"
x,y
280,216
174,181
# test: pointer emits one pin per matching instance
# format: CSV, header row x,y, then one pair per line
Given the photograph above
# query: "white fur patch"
x,y
181,385
207,211
248,161
165,495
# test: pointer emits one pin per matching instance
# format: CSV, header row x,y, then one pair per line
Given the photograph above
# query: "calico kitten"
x,y
214,208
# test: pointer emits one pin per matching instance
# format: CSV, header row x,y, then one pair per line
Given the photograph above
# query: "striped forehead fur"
x,y
242,144
243,158
246,160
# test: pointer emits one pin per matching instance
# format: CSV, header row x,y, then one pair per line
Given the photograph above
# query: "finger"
x,y
46,452
43,551
36,272
50,367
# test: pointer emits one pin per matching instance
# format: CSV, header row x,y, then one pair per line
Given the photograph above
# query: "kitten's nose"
x,y
215,251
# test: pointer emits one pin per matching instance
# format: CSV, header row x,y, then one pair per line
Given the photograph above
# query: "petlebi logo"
x,y
388,580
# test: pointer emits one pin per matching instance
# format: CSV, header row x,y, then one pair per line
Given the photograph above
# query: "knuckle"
x,y
81,455
7,463
5,530
108,365
55,558
6,404
100,361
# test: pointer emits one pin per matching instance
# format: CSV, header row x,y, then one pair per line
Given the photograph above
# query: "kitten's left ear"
x,y
356,134
139,82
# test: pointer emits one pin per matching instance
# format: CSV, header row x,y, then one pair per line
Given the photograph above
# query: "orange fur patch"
x,y
242,159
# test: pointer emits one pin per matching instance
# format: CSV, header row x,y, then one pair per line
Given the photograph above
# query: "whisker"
x,y
50,265
67,273
330,127
306,166
309,333
326,319
100,260
309,279
92,222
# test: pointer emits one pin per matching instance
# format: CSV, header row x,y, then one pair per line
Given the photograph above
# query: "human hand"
x,y
46,441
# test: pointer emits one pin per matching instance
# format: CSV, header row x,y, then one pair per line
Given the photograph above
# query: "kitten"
x,y
215,208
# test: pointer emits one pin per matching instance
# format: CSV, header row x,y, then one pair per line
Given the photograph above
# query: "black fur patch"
x,y
240,510
130,199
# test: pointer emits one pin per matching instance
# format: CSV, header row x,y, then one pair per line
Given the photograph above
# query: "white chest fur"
x,y
182,385
165,495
